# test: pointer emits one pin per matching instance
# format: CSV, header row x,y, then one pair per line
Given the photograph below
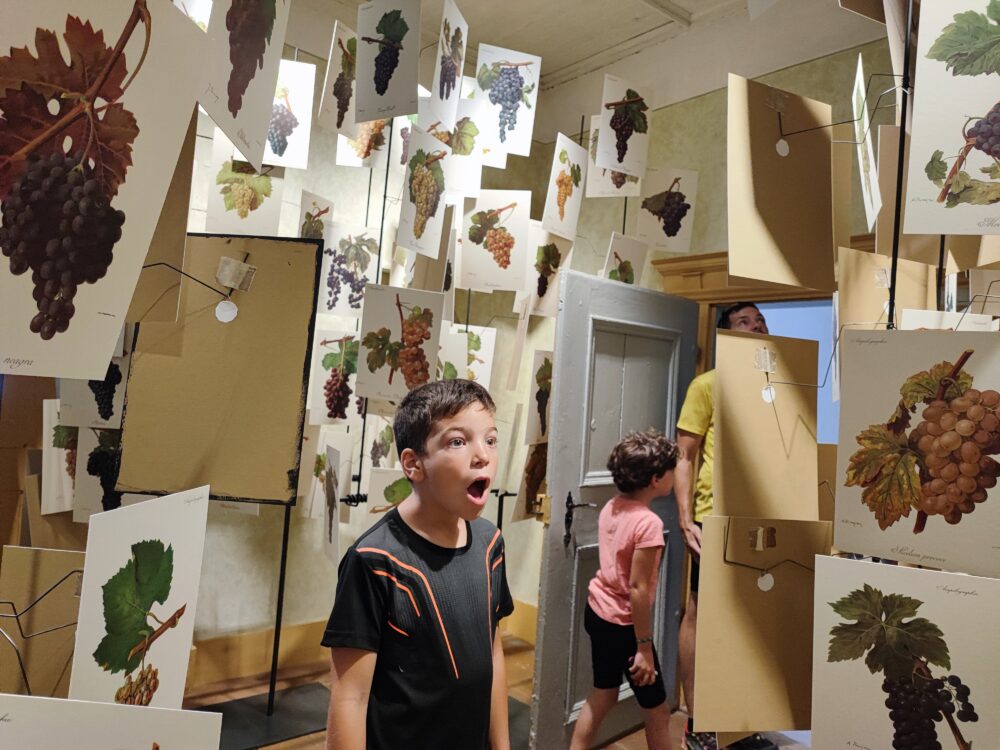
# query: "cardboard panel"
x,y
753,672
780,207
26,574
11,504
158,291
863,279
843,185
229,410
765,453
826,465
53,530
21,410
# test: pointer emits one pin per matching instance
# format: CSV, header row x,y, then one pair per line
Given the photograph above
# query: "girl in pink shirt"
x,y
619,617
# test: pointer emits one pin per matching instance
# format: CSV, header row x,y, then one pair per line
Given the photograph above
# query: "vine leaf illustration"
x,y
64,438
463,138
970,45
398,491
393,26
243,190
128,595
29,84
937,168
924,385
482,222
887,628
349,61
886,468
382,349
347,354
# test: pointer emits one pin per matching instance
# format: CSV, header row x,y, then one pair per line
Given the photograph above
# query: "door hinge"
x,y
568,523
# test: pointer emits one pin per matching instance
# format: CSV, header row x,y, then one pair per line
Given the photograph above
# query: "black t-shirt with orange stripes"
x,y
431,614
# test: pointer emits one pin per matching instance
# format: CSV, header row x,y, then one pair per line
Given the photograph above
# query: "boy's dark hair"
x,y
432,402
639,457
725,322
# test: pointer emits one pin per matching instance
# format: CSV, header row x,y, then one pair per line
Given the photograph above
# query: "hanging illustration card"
x,y
758,575
626,259
380,448
624,130
138,601
464,171
337,102
566,184
552,255
421,215
95,403
369,147
291,116
481,347
483,114
606,183
315,217
333,379
46,723
863,137
241,69
332,477
953,185
509,80
916,448
52,579
96,104
241,200
769,382
495,240
666,216
893,650
453,354
537,424
449,64
349,261
388,53
863,279
400,329
386,488
59,454
780,190
96,473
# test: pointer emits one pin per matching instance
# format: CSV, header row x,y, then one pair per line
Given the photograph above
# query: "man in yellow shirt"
x,y
696,441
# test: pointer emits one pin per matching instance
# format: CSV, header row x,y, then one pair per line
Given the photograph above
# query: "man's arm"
x,y
499,726
644,562
351,681
688,445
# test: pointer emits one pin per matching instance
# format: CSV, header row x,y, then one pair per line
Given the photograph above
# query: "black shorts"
x,y
695,567
611,648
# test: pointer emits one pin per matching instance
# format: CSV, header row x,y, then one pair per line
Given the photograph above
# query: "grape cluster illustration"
x,y
348,263
406,353
104,462
370,138
986,133
629,117
337,394
282,123
486,230
566,180
506,87
341,364
243,190
452,54
426,187
392,27
139,692
104,391
543,379
343,86
547,260
250,23
669,207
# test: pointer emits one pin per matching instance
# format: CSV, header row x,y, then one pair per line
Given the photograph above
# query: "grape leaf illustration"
x,y
348,61
885,630
398,491
482,222
319,465
243,190
312,222
30,85
347,355
924,386
886,467
970,45
65,438
250,23
382,349
393,26
463,137
623,272
937,168
128,596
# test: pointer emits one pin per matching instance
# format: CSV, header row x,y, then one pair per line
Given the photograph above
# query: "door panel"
x,y
627,354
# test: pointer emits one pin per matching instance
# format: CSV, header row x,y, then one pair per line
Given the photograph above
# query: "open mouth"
x,y
477,490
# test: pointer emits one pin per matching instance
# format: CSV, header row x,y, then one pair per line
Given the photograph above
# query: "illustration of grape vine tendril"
x,y
58,220
486,229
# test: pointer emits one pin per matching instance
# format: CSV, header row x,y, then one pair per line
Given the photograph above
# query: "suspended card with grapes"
x,y
466,139
953,184
496,241
334,371
453,38
400,331
421,214
920,429
349,264
482,342
386,489
508,80
537,424
59,454
95,403
624,131
666,215
566,183
896,652
626,259
453,354
242,200
387,62
315,217
138,601
331,476
98,461
337,103
488,141
864,137
96,105
368,148
240,71
552,254
291,116
606,183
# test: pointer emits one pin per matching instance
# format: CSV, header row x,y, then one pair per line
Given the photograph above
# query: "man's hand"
x,y
692,538
643,670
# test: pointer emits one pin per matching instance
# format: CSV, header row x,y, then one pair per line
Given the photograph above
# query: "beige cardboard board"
x,y
21,410
26,574
229,410
11,498
158,290
753,666
863,279
765,453
780,207
843,185
871,9
53,530
826,465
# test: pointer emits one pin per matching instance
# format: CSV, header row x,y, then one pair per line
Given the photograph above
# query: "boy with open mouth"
x,y
416,661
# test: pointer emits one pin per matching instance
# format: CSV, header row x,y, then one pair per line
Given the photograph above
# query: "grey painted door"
x,y
623,359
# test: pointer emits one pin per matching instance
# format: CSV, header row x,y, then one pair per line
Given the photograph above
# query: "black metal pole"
x,y
279,608
940,275
898,216
624,214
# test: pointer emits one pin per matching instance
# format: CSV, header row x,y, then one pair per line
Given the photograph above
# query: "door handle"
x,y
568,522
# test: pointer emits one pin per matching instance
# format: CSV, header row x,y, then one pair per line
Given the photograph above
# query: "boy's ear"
x,y
411,464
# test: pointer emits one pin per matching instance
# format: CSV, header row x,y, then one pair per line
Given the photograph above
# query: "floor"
x,y
520,670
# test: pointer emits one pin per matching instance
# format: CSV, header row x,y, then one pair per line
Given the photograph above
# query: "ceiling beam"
x,y
674,11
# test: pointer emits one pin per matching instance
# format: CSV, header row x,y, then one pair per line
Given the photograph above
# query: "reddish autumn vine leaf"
x,y
83,98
